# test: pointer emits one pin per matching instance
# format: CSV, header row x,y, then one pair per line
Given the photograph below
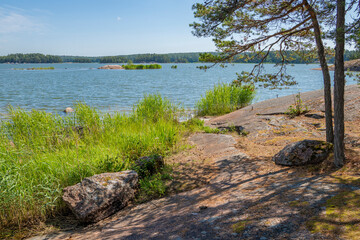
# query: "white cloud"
x,y
12,21
118,18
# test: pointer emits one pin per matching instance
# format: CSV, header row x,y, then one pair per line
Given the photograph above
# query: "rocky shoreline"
x,y
116,67
352,65
243,194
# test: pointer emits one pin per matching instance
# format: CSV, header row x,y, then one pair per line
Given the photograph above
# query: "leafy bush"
x,y
225,98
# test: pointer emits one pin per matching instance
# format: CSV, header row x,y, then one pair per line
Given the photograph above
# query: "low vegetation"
x,y
298,108
225,98
141,66
240,226
341,218
35,68
41,153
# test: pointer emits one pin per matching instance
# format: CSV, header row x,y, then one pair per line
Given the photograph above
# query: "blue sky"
x,y
98,28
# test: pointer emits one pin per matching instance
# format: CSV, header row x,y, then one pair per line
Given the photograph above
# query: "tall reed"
x,y
224,98
141,66
41,153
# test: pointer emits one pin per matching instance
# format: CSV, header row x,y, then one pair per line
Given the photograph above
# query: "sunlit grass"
x,y
224,98
41,153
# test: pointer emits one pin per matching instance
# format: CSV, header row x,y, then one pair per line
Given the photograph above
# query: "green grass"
x,y
224,98
141,66
41,153
35,68
197,125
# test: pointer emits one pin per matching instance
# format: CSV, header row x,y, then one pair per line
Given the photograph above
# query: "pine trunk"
x,y
326,74
339,85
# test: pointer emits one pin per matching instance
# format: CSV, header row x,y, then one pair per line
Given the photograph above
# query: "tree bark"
x,y
325,71
339,85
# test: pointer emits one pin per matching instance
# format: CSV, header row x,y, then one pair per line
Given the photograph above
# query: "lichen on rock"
x,y
303,153
99,196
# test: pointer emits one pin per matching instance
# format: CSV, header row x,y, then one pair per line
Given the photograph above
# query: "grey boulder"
x,y
303,153
68,110
99,196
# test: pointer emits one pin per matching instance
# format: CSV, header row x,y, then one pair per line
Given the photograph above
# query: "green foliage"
x,y
353,75
154,186
79,59
261,31
197,125
30,58
272,57
82,60
35,68
165,110
266,80
194,124
140,66
149,165
298,108
149,58
225,98
41,153
174,66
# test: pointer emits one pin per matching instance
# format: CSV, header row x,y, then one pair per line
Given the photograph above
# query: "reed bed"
x,y
35,68
41,153
224,98
141,66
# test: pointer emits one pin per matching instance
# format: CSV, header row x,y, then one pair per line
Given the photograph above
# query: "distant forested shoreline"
x,y
273,57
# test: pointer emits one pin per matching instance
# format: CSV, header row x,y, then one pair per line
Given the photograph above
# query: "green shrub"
x,y
225,98
298,108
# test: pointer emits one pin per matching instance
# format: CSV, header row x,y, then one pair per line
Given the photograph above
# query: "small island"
x,y
132,66
35,68
111,67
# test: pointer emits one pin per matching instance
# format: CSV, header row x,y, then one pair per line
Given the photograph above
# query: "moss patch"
x,y
298,203
342,216
240,226
346,179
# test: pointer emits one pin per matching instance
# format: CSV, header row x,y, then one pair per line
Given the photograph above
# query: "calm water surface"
x,y
119,90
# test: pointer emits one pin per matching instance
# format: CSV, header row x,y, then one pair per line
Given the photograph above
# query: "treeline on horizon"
x,y
273,57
